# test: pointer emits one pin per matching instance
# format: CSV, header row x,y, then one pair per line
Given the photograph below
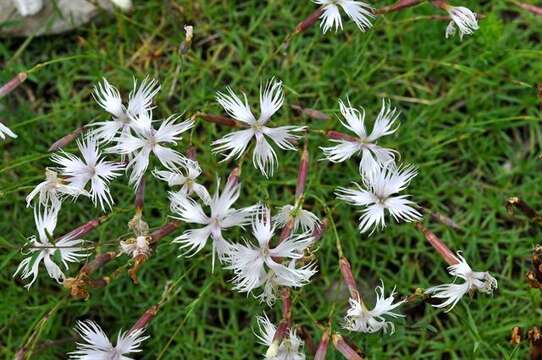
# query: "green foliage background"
x,y
470,122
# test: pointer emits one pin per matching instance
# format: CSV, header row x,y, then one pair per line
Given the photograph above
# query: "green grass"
x,y
470,122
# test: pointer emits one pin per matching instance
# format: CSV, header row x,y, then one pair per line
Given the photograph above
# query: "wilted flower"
x,y
302,218
53,190
373,156
462,19
359,318
256,265
376,196
42,248
135,247
108,97
187,181
481,281
147,140
92,168
360,12
263,156
290,348
97,346
222,216
4,130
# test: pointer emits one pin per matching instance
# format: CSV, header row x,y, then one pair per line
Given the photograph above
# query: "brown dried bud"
x,y
515,338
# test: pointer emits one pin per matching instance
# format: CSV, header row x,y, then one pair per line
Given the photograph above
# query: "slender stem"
x,y
140,196
337,239
349,280
84,229
322,347
337,135
303,171
309,21
437,243
13,84
532,8
66,140
399,5
145,319
344,348
165,230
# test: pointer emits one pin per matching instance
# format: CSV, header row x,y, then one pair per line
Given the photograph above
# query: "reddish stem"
x,y
437,243
287,305
140,196
349,279
319,230
441,4
303,172
337,135
234,176
322,348
220,119
84,229
145,319
13,84
532,8
311,113
165,230
66,140
309,21
399,5
344,348
192,153
99,261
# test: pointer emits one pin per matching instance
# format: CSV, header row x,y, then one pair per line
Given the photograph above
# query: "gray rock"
x,y
54,17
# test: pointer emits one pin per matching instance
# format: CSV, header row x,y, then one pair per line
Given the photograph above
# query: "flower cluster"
x,y
279,254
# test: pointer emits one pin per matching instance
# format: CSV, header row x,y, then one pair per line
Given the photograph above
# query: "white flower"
x,y
463,19
360,12
4,130
359,318
92,168
290,348
65,249
187,181
376,196
263,156
481,281
372,155
108,97
256,265
147,140
302,218
97,346
222,216
53,190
